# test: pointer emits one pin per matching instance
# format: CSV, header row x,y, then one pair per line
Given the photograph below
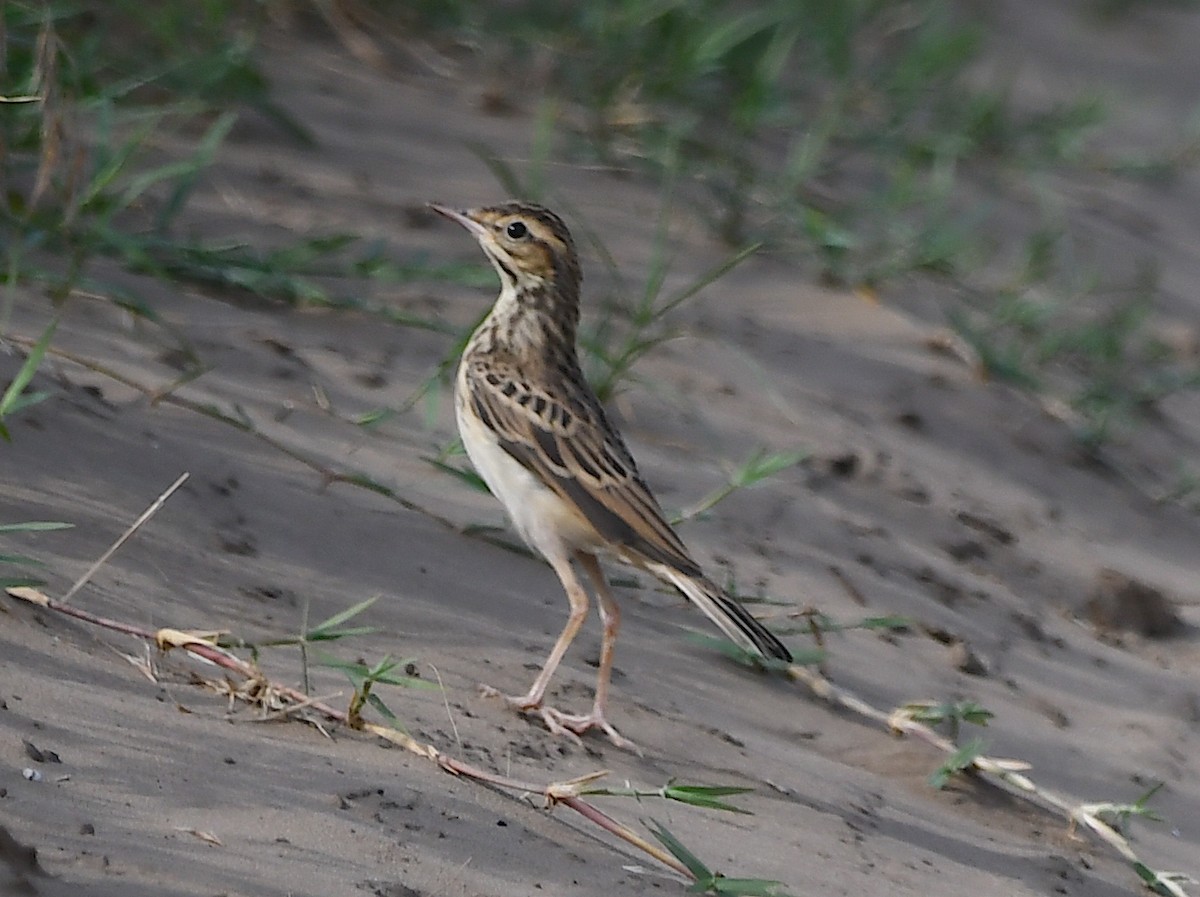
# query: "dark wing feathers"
x,y
566,441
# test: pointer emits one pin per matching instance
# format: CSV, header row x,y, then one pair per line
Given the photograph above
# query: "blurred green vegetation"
x,y
854,135
835,126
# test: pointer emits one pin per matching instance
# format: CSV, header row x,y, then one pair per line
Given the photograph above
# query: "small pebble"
x,y
965,660
1122,603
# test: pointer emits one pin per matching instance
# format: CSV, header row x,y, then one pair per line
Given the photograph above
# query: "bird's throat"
x,y
529,320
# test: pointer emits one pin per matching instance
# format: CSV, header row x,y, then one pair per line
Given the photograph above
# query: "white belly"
x,y
547,524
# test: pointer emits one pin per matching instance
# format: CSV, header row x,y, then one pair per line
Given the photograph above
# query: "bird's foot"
x,y
521,703
574,725
569,725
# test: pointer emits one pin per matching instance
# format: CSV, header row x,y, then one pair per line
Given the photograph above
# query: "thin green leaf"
x,y
699,871
373,418
961,759
707,796
34,526
386,712
761,465
331,635
28,369
810,657
708,277
26,400
828,624
341,617
20,582
201,159
364,481
21,559
470,477
743,887
713,790
965,711
112,165
360,672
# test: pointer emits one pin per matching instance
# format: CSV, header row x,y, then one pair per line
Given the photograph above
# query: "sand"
x,y
928,493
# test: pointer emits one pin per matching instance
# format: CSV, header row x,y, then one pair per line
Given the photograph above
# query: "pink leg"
x,y
560,723
610,615
532,700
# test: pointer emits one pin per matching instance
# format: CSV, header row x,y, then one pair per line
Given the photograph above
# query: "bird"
x,y
540,439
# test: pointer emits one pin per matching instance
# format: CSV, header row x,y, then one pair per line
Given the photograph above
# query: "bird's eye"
x,y
516,230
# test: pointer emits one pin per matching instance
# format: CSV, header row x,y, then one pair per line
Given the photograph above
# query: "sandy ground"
x,y
956,503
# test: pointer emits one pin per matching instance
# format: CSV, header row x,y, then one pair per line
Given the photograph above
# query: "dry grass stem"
x,y
1005,774
446,703
125,536
256,689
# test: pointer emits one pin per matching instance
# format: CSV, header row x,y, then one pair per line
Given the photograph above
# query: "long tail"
x,y
732,619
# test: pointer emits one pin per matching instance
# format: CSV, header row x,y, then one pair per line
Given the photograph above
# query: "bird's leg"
x,y
610,616
532,700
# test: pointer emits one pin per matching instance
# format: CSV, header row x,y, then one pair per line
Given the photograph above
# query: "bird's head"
x,y
528,244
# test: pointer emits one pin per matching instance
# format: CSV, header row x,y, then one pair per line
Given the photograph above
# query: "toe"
x,y
560,724
517,702
578,724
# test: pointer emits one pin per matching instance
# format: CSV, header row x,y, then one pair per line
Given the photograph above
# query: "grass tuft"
x,y
707,881
23,560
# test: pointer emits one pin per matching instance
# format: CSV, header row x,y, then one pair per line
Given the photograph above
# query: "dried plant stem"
x,y
1002,773
125,536
202,645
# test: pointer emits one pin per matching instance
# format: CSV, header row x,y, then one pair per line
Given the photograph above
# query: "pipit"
x,y
539,437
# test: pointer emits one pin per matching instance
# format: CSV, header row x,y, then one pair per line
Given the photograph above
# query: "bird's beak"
x,y
464,218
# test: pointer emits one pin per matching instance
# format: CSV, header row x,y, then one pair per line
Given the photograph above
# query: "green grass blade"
x,y
810,657
707,796
8,402
332,635
961,759
34,526
745,887
201,159
383,710
114,162
470,477
21,559
699,871
341,617
360,672
708,277
20,582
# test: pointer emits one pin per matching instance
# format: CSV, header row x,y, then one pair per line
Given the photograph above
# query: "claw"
x,y
577,724
569,725
554,722
521,703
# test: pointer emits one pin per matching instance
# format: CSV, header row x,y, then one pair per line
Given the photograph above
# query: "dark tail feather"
x,y
764,640
732,619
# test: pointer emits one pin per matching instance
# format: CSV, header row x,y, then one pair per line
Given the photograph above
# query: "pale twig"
x,y
446,702
125,536
293,710
1003,773
201,644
